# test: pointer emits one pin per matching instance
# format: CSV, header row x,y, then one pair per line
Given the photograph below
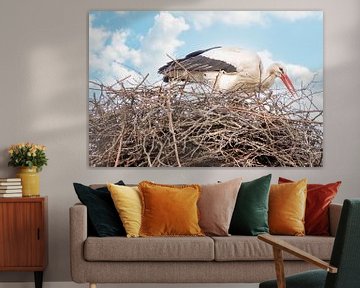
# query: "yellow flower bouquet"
x,y
27,155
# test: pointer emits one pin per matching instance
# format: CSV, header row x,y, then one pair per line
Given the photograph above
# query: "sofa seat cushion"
x,y
149,249
243,248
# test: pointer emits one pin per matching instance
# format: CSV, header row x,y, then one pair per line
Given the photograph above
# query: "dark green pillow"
x,y
250,216
103,218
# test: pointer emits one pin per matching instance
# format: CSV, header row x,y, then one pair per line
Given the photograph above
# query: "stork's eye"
x,y
281,69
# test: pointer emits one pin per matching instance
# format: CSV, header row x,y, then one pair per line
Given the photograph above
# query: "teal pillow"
x,y
250,216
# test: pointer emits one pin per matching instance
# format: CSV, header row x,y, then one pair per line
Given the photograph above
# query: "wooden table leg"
x,y
38,279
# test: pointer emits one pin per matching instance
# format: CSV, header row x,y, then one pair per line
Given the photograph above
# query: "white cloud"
x,y
293,16
204,19
109,52
97,36
160,40
118,51
300,75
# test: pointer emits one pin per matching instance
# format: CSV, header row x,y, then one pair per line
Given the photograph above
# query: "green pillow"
x,y
250,216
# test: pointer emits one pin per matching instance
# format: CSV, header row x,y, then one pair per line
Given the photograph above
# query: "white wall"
x,y
43,80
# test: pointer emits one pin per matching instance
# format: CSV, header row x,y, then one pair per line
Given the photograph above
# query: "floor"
x,y
74,285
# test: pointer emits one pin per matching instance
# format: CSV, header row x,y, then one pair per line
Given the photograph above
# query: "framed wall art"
x,y
205,89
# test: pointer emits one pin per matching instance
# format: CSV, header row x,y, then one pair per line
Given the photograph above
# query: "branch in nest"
x,y
183,125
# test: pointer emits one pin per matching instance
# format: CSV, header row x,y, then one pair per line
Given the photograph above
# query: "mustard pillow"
x,y
287,204
169,210
127,201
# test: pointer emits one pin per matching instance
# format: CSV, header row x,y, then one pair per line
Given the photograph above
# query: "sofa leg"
x,y
92,285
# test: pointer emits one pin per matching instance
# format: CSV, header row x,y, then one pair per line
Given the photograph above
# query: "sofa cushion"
x,y
244,248
149,249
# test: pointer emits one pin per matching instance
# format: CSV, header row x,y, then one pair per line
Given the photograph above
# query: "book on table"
x,y
9,195
10,184
10,188
7,180
10,191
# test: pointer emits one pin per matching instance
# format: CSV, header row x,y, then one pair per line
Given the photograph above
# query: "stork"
x,y
226,69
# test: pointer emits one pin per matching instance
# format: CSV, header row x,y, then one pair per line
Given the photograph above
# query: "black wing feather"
x,y
198,52
196,62
203,64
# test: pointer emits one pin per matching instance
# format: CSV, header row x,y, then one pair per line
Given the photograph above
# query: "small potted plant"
x,y
30,158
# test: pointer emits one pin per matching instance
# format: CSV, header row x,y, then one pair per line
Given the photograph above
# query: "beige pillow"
x,y
216,206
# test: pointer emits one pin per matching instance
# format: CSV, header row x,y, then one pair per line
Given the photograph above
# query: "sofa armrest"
x,y
334,217
78,235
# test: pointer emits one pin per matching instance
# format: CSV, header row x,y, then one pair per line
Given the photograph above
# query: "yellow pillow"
x,y
287,204
127,201
169,210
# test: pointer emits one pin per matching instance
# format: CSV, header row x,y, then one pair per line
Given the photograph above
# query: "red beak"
x,y
289,85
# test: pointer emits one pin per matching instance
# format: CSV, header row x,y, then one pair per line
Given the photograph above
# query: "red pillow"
x,y
319,197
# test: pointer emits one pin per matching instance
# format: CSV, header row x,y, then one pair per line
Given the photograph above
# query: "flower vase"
x,y
30,181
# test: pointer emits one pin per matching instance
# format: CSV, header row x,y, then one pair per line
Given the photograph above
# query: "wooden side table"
x,y
23,235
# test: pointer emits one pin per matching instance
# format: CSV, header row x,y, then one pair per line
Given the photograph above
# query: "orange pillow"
x,y
169,210
287,204
319,197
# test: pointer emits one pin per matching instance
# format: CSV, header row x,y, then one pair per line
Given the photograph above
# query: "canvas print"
x,y
205,89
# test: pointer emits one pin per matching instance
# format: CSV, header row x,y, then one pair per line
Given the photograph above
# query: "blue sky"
x,y
121,42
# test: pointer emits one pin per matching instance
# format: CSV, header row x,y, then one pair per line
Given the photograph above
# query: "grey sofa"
x,y
234,259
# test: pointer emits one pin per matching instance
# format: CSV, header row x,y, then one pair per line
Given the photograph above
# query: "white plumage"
x,y
226,69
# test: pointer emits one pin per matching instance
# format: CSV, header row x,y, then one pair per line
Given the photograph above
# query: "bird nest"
x,y
189,125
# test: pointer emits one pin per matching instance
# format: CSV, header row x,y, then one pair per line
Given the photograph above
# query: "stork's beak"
x,y
289,85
